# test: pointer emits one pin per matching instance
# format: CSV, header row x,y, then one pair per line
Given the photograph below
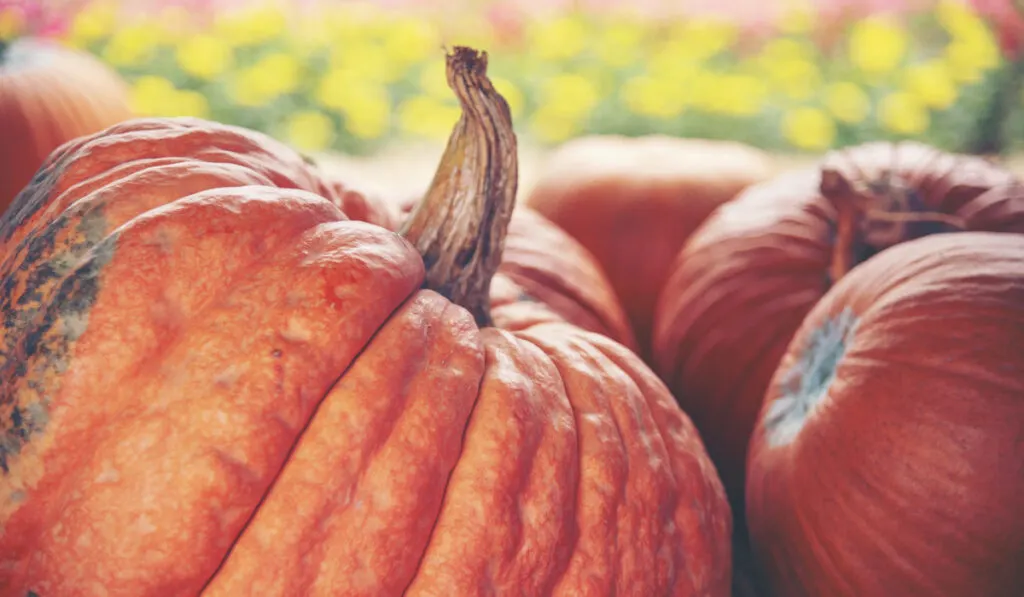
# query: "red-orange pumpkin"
x,y
219,384
49,95
633,202
888,459
740,288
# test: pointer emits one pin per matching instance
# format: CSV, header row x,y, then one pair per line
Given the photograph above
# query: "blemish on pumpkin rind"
x,y
36,358
36,269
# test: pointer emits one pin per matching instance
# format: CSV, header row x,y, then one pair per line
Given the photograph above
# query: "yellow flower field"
x,y
353,77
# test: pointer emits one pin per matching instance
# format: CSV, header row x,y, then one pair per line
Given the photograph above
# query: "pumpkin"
x,y
550,269
888,458
50,94
213,381
545,274
633,202
740,288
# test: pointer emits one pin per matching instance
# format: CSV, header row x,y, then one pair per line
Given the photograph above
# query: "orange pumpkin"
x,y
50,94
543,269
740,288
888,458
633,202
220,384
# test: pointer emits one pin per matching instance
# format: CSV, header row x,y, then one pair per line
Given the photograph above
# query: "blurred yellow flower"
x,y
958,18
283,72
250,26
204,56
549,126
877,45
619,42
11,23
847,102
673,59
250,88
310,130
96,20
796,78
783,49
367,110
569,95
152,96
190,103
368,59
653,96
132,44
428,116
732,94
932,83
808,128
557,38
708,36
902,113
433,79
410,40
332,90
969,58
513,96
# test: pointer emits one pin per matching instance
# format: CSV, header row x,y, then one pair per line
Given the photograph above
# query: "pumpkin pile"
x,y
216,382
50,94
224,372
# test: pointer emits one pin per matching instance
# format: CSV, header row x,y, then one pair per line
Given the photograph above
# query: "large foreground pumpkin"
x,y
238,391
888,459
633,202
49,95
740,288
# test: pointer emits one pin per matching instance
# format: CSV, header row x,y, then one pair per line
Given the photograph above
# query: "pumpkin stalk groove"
x,y
873,215
459,227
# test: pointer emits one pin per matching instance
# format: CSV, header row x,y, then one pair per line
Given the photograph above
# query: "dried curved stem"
x,y
859,204
459,227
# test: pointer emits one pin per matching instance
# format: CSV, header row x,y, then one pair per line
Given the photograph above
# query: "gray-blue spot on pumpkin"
x,y
807,382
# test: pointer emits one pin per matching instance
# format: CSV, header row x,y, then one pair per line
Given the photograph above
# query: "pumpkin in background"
x,y
554,272
50,94
888,459
224,385
740,288
633,202
545,274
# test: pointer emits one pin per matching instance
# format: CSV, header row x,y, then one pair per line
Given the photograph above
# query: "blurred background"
x,y
367,78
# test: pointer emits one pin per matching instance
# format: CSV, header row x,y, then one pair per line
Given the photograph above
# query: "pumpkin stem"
x,y
459,226
874,215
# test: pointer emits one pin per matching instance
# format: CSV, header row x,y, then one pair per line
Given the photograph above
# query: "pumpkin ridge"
x,y
518,458
627,510
444,491
671,426
429,332
155,138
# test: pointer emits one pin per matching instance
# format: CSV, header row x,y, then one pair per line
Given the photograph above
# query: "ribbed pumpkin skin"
x,y
49,95
740,288
224,386
894,464
633,201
